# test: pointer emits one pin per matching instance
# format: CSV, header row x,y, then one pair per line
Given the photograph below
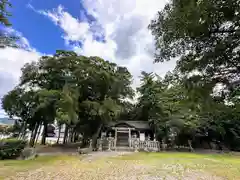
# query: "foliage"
x,y
3,12
7,38
164,103
205,35
11,148
81,92
177,115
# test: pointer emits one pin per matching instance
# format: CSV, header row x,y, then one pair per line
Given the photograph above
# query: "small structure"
x,y
127,135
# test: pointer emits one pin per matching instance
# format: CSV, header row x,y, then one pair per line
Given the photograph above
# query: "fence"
x,y
106,144
146,145
135,144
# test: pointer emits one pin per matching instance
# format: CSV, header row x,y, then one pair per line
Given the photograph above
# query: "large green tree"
x,y
27,105
204,35
81,92
165,104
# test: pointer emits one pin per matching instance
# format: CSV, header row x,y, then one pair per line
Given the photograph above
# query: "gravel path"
x,y
102,166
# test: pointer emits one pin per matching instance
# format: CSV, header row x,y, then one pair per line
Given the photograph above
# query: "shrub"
x,y
11,148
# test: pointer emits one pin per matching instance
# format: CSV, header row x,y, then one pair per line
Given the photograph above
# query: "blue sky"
x,y
115,30
38,29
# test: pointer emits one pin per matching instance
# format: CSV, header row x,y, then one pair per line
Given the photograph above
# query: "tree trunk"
x,y
23,136
74,136
70,133
44,134
38,133
65,134
33,135
190,145
21,133
95,136
59,133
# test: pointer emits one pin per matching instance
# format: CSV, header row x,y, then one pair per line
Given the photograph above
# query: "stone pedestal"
x,y
28,153
100,145
109,145
110,141
136,145
146,146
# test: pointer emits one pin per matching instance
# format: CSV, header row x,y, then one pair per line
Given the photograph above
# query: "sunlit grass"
x,y
223,165
10,167
226,166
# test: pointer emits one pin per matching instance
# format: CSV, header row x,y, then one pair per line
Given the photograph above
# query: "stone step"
x,y
123,148
122,139
124,145
125,137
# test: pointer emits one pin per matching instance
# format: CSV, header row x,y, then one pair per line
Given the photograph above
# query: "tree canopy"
x,y
7,39
80,92
184,107
204,35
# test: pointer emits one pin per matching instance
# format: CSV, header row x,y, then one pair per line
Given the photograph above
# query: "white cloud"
x,y
2,113
124,25
74,29
12,60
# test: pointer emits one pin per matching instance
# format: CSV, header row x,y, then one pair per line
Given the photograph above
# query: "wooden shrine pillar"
x,y
129,137
115,140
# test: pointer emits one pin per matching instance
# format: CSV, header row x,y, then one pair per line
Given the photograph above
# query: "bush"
x,y
11,148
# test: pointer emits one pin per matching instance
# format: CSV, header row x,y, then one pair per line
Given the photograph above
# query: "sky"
x,y
115,30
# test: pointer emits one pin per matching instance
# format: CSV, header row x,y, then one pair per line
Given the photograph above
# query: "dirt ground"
x,y
131,166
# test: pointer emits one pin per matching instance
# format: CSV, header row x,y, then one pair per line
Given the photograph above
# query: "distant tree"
x,y
4,14
6,39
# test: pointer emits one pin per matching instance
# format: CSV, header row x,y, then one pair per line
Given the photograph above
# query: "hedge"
x,y
11,148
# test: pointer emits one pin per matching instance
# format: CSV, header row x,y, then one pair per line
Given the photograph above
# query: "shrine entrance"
x,y
122,136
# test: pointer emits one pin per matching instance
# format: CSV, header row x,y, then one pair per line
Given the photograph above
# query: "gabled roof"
x,y
135,124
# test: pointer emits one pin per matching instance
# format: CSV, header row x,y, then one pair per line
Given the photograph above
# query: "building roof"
x,y
135,124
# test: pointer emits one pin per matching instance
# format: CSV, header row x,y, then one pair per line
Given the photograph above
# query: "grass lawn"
x,y
11,167
225,166
133,166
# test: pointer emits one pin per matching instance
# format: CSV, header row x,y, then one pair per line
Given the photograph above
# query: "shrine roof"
x,y
133,124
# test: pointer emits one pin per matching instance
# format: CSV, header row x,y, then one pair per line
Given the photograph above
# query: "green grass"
x,y
222,165
10,167
226,166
